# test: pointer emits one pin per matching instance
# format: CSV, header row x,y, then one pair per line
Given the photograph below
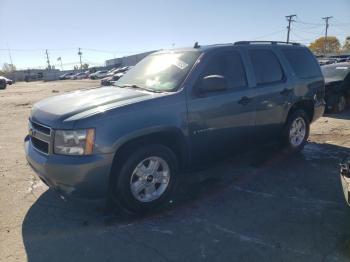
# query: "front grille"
x,y
40,136
40,145
44,129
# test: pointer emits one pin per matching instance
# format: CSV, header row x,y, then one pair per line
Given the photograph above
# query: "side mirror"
x,y
213,83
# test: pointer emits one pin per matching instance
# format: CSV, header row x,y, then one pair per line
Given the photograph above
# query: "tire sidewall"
x,y
291,118
121,187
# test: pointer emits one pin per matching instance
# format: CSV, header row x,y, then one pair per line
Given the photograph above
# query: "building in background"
x,y
127,60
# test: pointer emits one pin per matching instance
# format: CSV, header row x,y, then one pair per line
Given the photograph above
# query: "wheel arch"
x,y
304,104
173,138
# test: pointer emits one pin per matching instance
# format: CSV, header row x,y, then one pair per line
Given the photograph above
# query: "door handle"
x,y
286,92
244,100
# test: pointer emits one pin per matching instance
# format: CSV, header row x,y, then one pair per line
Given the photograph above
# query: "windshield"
x,y
160,72
335,73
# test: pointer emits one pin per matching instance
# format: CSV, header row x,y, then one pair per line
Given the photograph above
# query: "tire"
x,y
294,141
135,172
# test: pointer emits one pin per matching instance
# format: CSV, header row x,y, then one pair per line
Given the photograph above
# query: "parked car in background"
x,y
8,81
337,78
109,79
66,76
327,61
114,75
81,75
3,83
99,74
111,71
174,110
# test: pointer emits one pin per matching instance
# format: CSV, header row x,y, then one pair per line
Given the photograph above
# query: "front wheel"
x,y
296,131
146,179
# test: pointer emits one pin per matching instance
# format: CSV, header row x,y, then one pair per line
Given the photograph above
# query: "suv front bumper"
x,y
78,176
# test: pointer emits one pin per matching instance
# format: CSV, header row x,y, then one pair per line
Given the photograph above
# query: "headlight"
x,y
74,142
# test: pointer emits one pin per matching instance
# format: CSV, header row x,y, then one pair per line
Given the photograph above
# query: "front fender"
x,y
144,132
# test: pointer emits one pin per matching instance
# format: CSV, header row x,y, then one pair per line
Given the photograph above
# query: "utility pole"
x,y
326,33
48,60
80,54
8,48
290,20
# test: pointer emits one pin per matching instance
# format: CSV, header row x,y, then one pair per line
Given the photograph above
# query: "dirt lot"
x,y
260,206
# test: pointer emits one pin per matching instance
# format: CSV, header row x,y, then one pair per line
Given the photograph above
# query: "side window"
x,y
302,62
266,66
228,64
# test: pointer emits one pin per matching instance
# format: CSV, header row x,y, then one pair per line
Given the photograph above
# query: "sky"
x,y
113,28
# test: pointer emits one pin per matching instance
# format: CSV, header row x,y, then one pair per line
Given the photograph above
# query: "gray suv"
x,y
174,110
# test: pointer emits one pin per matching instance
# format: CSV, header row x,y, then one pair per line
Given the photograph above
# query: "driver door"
x,y
221,120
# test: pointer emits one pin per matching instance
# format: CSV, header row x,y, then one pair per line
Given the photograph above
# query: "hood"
x,y
80,104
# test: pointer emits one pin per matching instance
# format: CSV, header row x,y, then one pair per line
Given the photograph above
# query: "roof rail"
x,y
264,42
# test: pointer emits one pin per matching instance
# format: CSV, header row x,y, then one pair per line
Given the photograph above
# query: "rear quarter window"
x,y
302,62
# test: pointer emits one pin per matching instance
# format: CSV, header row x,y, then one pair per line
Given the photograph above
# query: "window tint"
x,y
266,66
229,65
302,62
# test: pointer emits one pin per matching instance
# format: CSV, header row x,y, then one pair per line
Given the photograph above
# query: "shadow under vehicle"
x,y
257,206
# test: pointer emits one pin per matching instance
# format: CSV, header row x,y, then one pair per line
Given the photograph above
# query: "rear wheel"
x,y
296,131
146,179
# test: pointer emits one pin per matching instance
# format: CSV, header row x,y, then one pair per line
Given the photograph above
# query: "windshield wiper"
x,y
139,87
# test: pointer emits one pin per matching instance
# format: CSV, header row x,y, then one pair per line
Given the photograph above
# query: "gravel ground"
x,y
260,206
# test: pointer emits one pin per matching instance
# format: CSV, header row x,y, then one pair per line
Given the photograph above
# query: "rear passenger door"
x,y
273,92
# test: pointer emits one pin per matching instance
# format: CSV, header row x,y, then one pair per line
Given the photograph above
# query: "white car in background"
x,y
99,74
8,81
81,75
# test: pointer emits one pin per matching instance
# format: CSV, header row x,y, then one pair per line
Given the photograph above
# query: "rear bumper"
x,y
77,176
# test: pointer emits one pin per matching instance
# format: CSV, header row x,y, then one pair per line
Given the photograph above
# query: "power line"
x,y
270,34
307,23
308,29
290,20
301,38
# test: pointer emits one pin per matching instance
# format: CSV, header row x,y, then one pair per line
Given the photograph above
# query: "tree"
x,y
6,68
346,46
85,66
320,46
